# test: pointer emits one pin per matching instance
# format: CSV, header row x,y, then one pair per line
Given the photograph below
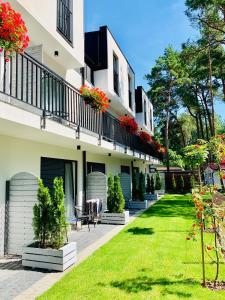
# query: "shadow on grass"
x,y
179,207
145,283
140,230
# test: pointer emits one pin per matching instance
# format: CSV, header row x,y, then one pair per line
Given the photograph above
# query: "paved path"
x,y
25,284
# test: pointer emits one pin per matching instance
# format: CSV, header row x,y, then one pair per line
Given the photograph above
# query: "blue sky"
x,y
143,28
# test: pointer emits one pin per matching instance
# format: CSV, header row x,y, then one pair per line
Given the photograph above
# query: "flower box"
x,y
115,218
152,197
138,204
50,259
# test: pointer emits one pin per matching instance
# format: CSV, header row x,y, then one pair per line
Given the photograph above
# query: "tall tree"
x,y
163,80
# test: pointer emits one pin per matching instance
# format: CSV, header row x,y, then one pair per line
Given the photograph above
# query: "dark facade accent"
x,y
95,167
6,230
125,169
138,99
96,49
84,157
51,168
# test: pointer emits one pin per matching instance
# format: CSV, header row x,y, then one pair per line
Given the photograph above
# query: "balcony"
x,y
34,85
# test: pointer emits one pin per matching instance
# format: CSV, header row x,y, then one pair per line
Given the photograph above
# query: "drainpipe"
x,y
84,176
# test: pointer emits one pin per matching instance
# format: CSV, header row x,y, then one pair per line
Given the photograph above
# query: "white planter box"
x,y
50,259
115,218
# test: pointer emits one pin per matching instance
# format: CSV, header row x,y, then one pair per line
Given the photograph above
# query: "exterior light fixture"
x,y
78,147
56,53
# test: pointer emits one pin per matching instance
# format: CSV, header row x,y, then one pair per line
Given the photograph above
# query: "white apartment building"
x,y
46,129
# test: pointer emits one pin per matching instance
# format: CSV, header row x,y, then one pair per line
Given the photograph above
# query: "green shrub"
x,y
42,216
134,188
158,182
59,216
152,185
119,202
174,184
192,182
180,184
148,186
49,220
141,187
110,193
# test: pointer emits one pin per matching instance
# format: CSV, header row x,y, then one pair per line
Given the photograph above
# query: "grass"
x,y
149,259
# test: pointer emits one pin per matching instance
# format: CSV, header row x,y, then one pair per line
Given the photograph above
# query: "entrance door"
x,y
51,168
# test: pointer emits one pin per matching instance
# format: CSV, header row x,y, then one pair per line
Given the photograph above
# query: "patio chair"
x,y
95,210
82,216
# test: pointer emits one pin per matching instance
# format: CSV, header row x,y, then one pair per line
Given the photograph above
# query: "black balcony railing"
x,y
32,83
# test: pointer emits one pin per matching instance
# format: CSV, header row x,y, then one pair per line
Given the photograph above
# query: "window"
x,y
116,73
151,120
125,169
89,74
130,91
145,113
65,19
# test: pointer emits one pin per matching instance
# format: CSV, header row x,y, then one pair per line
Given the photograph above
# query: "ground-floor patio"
x,y
25,283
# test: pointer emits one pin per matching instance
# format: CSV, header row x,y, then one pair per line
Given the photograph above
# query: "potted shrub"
x,y
95,98
139,193
115,203
50,249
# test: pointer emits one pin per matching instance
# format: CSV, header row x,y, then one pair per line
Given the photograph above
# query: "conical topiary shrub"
x,y
180,184
158,182
141,187
59,216
148,186
152,185
110,193
42,216
134,188
119,202
173,183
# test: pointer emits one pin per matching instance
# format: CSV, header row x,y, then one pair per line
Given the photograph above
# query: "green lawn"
x,y
149,259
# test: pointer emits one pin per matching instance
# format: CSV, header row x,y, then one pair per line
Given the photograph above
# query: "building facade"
x,y
46,129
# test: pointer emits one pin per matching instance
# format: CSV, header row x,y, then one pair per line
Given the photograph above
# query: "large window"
x,y
65,19
116,73
89,74
130,91
95,167
145,113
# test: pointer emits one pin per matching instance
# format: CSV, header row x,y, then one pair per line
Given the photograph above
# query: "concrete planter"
x,y
50,259
115,218
138,204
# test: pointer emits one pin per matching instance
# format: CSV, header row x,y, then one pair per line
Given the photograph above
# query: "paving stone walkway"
x,y
20,283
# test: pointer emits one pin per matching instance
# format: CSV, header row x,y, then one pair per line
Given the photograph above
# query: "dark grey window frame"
x,y
130,92
116,73
67,7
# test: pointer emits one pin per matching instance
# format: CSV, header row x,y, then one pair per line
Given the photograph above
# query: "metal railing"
x,y
27,80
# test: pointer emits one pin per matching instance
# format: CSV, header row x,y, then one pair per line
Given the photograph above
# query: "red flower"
x,y
13,31
145,137
95,98
129,123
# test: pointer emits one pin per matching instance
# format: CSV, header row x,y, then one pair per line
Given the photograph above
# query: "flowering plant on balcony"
x,y
13,31
159,147
95,98
144,136
129,123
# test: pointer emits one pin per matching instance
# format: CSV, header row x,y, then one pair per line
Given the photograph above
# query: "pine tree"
x,y
158,182
42,216
152,186
148,186
59,216
110,195
119,202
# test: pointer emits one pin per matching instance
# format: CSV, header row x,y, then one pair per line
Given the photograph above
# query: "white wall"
x,y
41,19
